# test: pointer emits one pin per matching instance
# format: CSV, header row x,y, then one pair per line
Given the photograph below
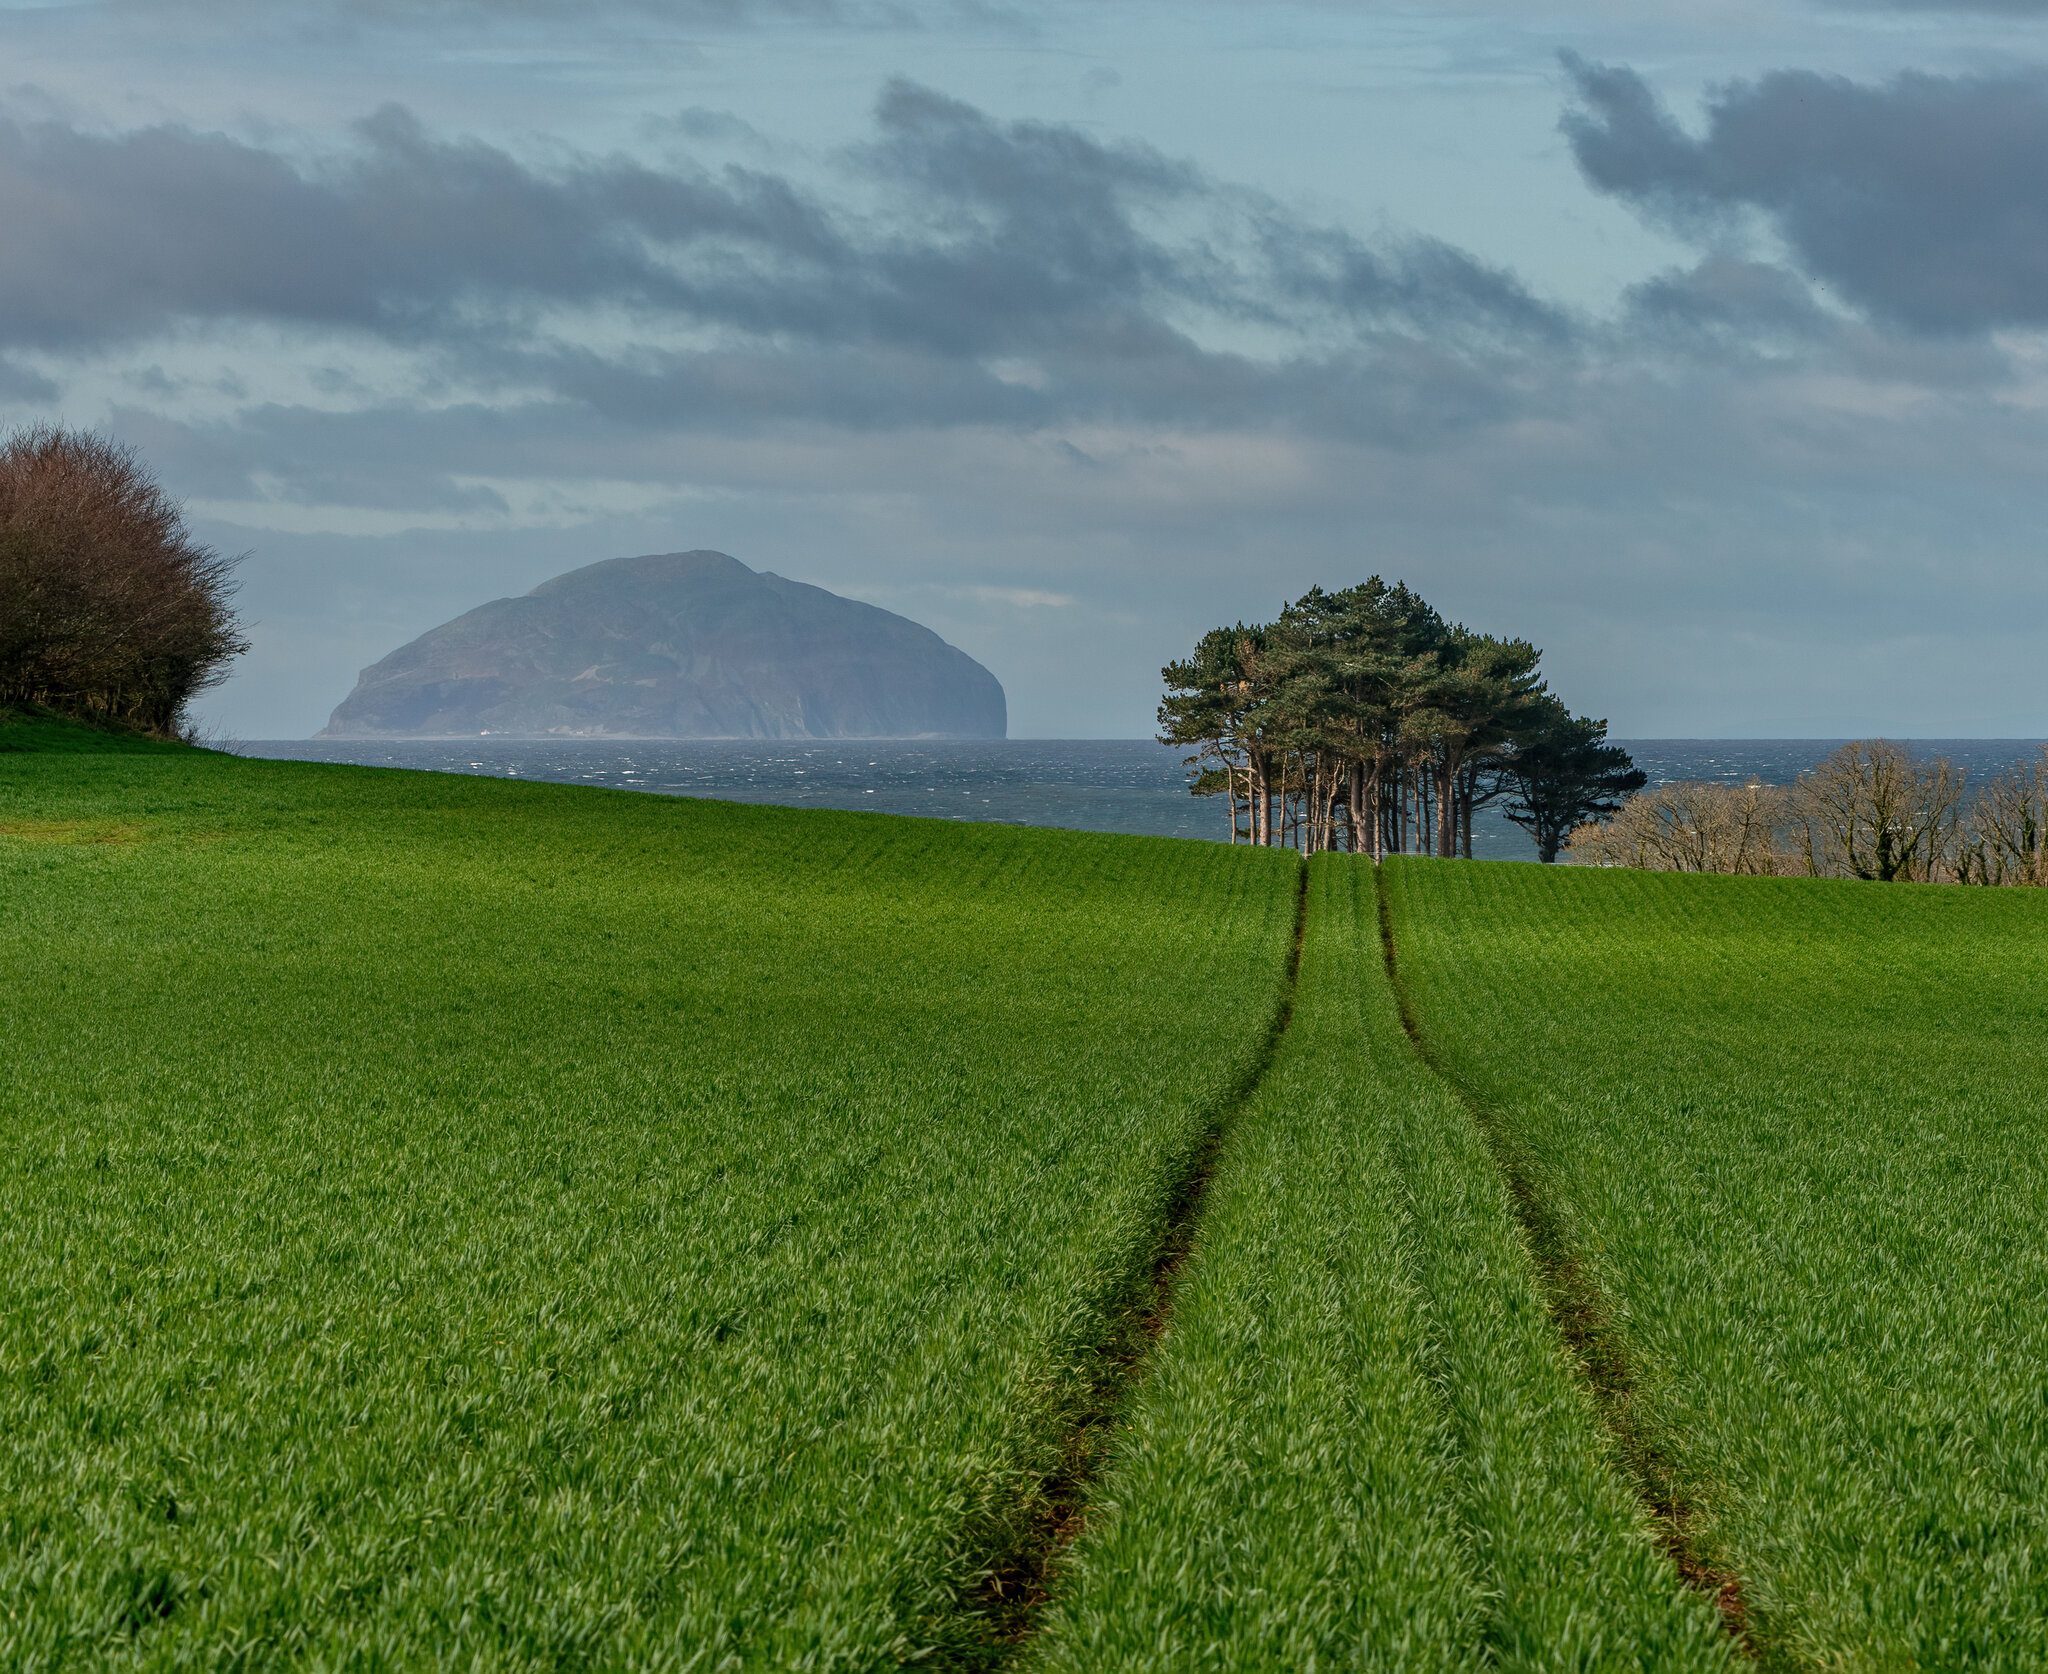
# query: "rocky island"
x,y
675,645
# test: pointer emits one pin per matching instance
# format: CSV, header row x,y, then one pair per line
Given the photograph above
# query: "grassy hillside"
x,y
1786,1138
545,1226
45,733
447,1219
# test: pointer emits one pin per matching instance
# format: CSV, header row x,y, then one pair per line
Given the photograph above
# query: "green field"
x,y
1363,1444
545,1226
1790,1133
500,1225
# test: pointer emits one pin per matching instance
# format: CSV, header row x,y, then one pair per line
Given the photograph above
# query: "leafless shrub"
x,y
1871,810
1691,826
108,608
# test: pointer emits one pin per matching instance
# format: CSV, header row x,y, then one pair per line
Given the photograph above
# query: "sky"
x,y
1704,344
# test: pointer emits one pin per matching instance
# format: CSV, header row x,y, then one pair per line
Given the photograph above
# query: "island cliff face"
x,y
675,645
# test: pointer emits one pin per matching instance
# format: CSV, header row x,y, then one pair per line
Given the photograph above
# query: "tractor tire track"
x,y
1582,1318
1014,1579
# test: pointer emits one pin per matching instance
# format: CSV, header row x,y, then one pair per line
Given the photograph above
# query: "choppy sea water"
x,y
1128,785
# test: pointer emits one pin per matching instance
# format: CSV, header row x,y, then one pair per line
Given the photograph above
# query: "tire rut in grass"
x,y
1581,1316
1015,1579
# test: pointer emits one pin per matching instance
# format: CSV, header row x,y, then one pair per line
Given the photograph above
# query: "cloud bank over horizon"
x,y
1742,426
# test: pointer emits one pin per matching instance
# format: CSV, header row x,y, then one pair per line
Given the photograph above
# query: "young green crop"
x,y
511,1225
1790,1132
518,1225
1362,1445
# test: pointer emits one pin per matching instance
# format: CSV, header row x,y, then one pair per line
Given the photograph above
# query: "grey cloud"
x,y
1043,224
1046,218
22,383
1652,430
1627,143
1725,292
701,123
414,13
155,382
326,24
608,421
1026,223
1405,396
123,235
1419,279
1994,8
1728,310
402,460
740,390
976,271
1921,201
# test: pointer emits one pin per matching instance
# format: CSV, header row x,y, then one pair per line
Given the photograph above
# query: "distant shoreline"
x,y
1134,786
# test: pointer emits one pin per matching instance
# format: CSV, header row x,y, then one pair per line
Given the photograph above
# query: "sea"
x,y
1092,784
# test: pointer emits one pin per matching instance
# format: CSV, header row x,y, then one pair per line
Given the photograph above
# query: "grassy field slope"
x,y
1791,1134
23,730
539,1226
445,1219
1361,1444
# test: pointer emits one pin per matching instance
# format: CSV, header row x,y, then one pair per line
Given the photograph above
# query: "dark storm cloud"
x,y
973,238
1922,201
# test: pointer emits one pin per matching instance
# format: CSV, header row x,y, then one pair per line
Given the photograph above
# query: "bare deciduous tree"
x,y
108,608
1873,811
2005,836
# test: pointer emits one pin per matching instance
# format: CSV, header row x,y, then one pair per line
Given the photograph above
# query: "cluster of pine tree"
x,y
1362,720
